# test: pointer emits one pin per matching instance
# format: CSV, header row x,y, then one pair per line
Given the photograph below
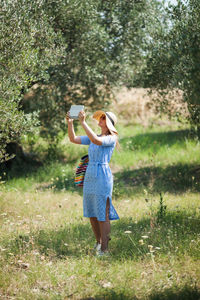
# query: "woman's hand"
x,y
81,116
69,120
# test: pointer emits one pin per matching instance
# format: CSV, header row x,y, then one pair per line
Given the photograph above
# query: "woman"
x,y
98,182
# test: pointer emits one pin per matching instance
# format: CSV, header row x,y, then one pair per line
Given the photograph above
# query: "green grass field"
x,y
46,244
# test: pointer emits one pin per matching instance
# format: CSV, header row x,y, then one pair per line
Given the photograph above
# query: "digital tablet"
x,y
74,111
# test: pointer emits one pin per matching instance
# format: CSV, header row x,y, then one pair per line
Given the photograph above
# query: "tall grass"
x,y
46,244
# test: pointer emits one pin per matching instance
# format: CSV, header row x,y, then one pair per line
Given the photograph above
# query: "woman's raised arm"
x,y
72,137
90,133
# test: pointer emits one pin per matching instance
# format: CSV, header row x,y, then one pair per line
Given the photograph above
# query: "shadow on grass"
x,y
185,293
155,140
177,178
173,179
49,176
23,168
176,293
62,183
175,233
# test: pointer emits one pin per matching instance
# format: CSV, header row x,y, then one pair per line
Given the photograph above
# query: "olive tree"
x,y
55,53
173,56
27,49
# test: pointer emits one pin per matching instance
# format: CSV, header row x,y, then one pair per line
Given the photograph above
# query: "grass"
x,y
46,244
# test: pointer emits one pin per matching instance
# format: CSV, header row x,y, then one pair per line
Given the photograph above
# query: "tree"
x,y
64,52
26,51
173,56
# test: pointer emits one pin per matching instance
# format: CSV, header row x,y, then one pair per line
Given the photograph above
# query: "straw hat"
x,y
111,119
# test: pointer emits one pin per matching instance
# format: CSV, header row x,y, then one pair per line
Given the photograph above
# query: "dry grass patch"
x,y
137,105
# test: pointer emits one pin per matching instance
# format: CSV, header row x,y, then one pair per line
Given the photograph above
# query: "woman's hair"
x,y
117,141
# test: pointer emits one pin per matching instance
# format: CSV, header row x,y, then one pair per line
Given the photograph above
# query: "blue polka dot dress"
x,y
98,181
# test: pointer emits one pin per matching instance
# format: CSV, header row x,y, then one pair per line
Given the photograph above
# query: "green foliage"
x,y
63,52
13,123
100,39
172,57
26,50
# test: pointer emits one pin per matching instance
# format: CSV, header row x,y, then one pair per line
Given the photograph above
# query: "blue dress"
x,y
98,181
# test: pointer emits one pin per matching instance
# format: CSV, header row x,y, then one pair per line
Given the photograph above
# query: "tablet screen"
x,y
74,111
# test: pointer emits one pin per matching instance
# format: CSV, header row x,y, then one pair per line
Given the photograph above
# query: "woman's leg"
x,y
105,229
96,229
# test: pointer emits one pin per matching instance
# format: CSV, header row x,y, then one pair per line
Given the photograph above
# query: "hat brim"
x,y
98,114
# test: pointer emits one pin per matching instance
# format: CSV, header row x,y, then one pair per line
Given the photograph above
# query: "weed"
x,y
162,209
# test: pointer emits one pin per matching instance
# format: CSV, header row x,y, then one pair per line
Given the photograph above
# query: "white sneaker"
x,y
101,253
97,247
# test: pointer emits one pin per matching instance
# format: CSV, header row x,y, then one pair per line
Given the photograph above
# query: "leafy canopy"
x,y
62,52
172,56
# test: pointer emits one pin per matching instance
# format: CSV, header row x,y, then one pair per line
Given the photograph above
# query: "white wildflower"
x,y
145,236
